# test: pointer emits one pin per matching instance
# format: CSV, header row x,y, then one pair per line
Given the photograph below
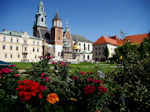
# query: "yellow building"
x,y
19,47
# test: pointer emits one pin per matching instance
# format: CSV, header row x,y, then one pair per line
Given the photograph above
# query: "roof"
x,y
80,38
106,40
136,38
16,33
56,17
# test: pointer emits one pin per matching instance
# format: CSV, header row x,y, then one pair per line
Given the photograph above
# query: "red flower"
x,y
75,78
28,89
17,75
89,89
95,81
102,89
0,75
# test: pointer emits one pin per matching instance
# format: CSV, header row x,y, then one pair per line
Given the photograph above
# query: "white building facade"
x,y
19,47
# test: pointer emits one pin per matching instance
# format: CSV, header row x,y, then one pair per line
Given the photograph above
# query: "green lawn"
x,y
90,67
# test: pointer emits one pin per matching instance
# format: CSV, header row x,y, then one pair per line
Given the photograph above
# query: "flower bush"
x,y
39,90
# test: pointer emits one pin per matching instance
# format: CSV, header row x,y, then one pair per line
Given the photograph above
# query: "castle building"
x,y
19,47
112,43
58,43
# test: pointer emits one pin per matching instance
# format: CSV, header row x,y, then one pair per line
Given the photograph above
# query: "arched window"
x,y
42,19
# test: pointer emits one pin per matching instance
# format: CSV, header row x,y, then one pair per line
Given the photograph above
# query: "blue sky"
x,y
90,18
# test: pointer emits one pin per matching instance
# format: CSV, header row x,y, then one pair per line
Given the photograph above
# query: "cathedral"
x,y
59,44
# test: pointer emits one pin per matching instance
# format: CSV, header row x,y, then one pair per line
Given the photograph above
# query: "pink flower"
x,y
46,78
17,75
42,75
53,62
14,65
83,73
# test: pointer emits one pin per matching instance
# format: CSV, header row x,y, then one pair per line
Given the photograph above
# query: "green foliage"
x,y
106,52
133,77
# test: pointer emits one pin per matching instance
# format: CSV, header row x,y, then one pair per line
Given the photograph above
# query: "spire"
x,y
67,27
40,16
57,17
41,7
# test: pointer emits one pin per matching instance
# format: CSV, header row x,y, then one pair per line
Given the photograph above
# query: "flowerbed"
x,y
55,91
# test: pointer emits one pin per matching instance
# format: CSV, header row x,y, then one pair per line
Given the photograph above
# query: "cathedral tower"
x,y
57,35
40,23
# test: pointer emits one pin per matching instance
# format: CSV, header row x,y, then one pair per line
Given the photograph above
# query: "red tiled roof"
x,y
105,40
136,38
119,42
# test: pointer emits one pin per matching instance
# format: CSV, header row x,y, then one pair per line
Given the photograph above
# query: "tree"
x,y
106,52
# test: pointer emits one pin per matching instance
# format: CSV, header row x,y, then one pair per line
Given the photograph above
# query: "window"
x,y
96,48
25,48
11,56
58,53
99,48
5,55
25,41
18,56
33,42
99,53
33,49
58,37
17,40
35,57
42,19
11,40
88,47
3,46
10,47
4,38
37,49
84,46
83,56
16,47
96,54
88,57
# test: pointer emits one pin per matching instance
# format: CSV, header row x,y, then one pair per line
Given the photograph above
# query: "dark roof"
x,y
56,17
45,34
80,38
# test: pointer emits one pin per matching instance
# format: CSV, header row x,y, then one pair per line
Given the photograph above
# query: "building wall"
x,y
58,51
16,47
86,51
98,51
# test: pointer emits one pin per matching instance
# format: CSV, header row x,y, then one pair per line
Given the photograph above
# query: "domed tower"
x,y
40,23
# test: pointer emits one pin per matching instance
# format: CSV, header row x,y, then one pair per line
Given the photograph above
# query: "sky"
x,y
89,18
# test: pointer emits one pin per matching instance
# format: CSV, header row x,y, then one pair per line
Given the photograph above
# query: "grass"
x,y
86,66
